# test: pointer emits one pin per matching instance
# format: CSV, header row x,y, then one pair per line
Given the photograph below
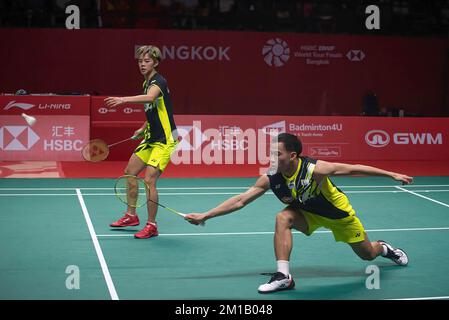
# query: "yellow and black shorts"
x,y
348,229
156,154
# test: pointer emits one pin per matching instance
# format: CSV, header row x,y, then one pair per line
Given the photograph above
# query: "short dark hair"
x,y
291,142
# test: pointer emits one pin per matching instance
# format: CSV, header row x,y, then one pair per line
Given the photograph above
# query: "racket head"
x,y
132,190
95,150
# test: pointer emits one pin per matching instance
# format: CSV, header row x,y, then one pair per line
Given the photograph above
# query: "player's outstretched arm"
x,y
232,204
324,168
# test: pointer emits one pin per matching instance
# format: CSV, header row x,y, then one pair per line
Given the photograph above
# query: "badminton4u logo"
x,y
276,52
274,129
23,106
17,138
380,138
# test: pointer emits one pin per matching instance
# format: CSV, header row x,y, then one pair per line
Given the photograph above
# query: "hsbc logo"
x,y
23,106
17,138
380,138
131,110
355,55
191,137
105,110
377,138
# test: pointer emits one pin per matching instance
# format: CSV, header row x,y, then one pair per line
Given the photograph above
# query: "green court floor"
x,y
48,225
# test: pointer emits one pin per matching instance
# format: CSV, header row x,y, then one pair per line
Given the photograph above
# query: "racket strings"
x,y
95,150
132,191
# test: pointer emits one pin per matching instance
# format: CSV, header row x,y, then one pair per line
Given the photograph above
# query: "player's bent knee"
x,y
284,218
129,172
151,183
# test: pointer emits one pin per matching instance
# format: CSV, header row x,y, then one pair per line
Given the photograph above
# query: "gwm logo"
x,y
276,52
377,138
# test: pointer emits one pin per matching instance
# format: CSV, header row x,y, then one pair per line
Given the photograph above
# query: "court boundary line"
x,y
424,197
99,252
222,188
209,193
424,298
269,232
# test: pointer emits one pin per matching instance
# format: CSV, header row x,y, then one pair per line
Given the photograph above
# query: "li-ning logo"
x,y
24,106
276,52
377,138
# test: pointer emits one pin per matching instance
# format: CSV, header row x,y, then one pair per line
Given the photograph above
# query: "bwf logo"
x,y
276,52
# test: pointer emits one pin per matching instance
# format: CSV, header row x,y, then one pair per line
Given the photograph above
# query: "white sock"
x,y
283,266
384,250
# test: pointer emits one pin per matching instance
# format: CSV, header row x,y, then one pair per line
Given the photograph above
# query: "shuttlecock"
x,y
29,119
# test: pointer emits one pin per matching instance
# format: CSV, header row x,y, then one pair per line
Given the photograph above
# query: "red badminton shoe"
x,y
149,231
128,220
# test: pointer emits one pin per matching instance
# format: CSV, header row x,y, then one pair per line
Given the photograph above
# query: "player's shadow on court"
x,y
303,272
124,230
342,291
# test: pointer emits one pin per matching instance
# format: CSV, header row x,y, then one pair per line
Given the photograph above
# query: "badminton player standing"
x,y
313,201
159,132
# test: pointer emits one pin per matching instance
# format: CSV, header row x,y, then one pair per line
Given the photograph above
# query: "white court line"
x,y
222,188
36,194
202,193
104,266
424,298
269,232
424,197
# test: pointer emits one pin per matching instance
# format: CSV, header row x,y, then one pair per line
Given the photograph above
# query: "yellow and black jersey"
x,y
161,125
301,190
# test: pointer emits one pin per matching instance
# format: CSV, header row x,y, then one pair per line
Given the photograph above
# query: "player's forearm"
x,y
368,170
144,125
232,204
143,98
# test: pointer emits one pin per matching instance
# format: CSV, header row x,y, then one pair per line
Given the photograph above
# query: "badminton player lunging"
x,y
159,132
313,201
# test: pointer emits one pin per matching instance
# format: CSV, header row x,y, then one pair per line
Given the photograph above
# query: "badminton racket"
x,y
135,192
98,150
